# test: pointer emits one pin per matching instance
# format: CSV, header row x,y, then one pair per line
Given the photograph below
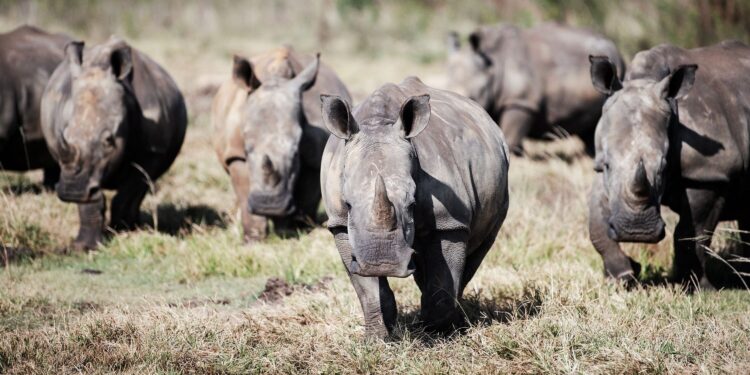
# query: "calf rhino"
x,y
533,82
113,119
677,135
414,181
269,136
28,56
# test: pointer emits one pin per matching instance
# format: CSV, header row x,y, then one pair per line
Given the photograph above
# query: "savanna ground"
x,y
185,295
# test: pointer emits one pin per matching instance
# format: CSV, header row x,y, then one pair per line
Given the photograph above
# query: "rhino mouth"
x,y
272,205
382,269
77,189
379,255
651,234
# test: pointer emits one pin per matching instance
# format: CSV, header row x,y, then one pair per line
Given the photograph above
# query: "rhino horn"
x,y
382,209
641,186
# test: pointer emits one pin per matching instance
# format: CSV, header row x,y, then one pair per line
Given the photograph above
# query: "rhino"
x,y
268,135
414,181
675,132
533,82
28,56
113,119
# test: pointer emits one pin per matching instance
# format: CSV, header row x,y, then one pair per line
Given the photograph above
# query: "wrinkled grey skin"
x,y
533,82
28,56
677,134
269,136
113,119
414,181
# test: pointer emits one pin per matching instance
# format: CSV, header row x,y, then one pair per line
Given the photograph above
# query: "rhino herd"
x,y
414,179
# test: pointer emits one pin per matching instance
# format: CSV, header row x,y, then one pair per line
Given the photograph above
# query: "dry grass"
x,y
184,298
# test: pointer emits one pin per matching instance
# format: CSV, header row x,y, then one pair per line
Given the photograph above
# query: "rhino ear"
x,y
678,83
306,78
74,54
415,115
604,75
121,61
243,74
337,116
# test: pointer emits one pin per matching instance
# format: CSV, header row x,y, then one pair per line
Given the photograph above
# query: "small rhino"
x,y
415,181
269,136
533,82
677,135
28,56
113,119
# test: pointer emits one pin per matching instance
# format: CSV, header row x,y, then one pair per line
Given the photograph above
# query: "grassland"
x,y
184,295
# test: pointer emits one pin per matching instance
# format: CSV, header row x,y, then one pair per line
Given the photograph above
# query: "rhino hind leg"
x,y
475,259
254,227
700,210
51,177
374,293
439,275
617,265
91,220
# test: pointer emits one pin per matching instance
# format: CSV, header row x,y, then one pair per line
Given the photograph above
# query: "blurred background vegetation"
x,y
415,28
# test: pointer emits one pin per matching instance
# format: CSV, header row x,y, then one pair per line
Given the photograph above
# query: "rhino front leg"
x,y
440,269
700,211
126,205
374,293
516,124
91,219
51,177
254,227
617,264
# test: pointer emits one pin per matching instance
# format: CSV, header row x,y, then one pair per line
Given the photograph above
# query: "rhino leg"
x,y
254,227
617,265
126,205
91,218
51,177
439,275
516,124
700,210
374,293
475,259
588,142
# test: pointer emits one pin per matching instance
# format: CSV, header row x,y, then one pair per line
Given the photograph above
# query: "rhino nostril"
x,y
93,191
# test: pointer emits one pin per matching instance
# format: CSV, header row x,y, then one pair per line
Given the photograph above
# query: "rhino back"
x,y
28,56
713,138
156,142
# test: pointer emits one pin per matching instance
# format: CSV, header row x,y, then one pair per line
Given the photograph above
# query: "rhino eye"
x,y
109,140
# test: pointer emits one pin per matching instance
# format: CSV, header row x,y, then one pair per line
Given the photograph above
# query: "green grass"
x,y
184,298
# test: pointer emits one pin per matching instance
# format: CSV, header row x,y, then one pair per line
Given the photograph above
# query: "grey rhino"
x,y
533,82
113,119
676,135
269,136
414,180
28,56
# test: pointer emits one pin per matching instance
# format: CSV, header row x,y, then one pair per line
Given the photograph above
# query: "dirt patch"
x,y
276,288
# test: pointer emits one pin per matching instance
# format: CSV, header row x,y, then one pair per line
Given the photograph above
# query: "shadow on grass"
x,y
476,311
13,255
173,220
20,187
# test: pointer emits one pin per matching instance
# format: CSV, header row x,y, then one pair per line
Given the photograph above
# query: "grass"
x,y
188,297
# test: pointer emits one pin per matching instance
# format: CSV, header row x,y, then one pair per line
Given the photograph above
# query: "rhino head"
x,y
93,142
469,70
632,142
273,122
378,183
